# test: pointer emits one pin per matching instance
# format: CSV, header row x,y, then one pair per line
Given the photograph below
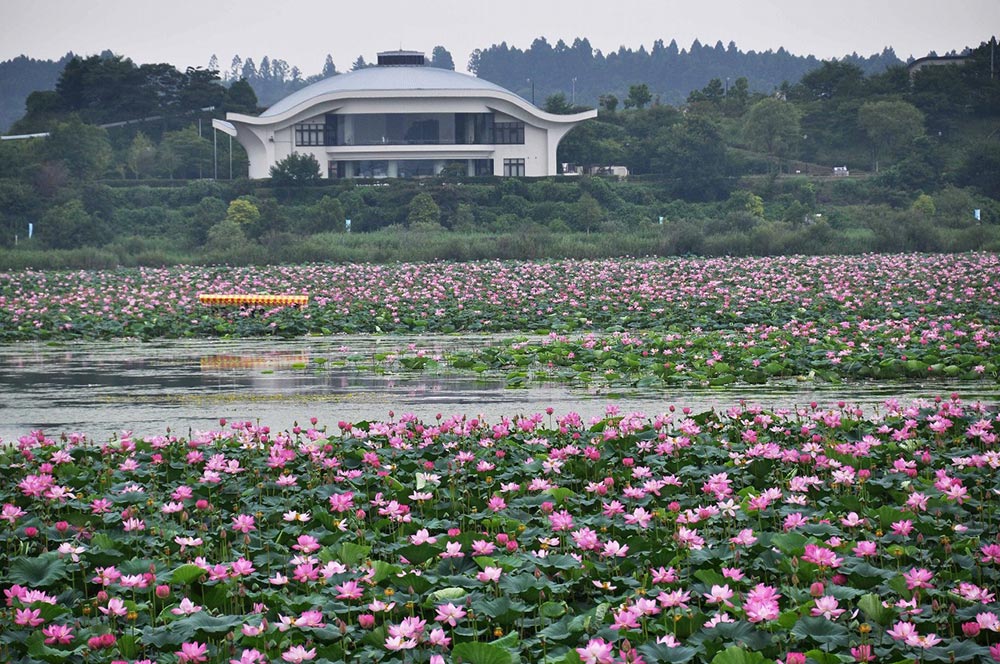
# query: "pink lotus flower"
x,y
115,607
244,523
719,595
449,614
57,634
902,527
422,536
306,544
863,653
186,608
250,656
28,617
489,575
821,556
349,590
597,651
918,578
827,607
923,641
192,653
298,654
902,631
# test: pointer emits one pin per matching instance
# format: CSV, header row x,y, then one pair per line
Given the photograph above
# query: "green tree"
x,y
981,168
424,213
83,148
557,104
240,98
593,142
141,156
833,80
638,96
226,235
184,153
737,97
890,125
69,225
441,58
296,169
924,206
329,69
692,154
327,215
608,102
243,213
746,202
772,125
587,213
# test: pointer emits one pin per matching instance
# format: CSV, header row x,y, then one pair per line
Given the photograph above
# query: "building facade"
x,y
404,119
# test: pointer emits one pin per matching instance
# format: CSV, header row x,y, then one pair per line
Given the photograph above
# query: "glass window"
x,y
309,134
513,168
508,133
413,168
375,168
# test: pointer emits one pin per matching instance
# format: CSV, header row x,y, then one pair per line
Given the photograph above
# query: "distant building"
x,y
935,61
404,119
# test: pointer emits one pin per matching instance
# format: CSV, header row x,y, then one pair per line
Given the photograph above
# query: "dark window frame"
x,y
310,134
508,133
514,167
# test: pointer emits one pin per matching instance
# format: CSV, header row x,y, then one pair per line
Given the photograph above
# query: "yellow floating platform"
x,y
236,299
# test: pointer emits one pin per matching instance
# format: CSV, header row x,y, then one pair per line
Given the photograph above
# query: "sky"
x,y
188,32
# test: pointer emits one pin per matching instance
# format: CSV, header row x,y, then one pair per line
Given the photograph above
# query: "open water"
x,y
103,388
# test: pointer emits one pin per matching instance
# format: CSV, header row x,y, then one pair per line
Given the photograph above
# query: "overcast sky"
x,y
187,32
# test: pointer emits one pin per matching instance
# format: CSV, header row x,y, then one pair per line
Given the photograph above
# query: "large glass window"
x,y
374,168
508,133
307,134
484,167
414,168
402,129
513,168
409,129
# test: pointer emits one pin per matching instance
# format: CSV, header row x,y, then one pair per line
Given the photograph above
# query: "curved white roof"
x,y
385,78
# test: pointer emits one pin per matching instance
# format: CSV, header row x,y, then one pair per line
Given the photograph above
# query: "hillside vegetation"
x,y
728,172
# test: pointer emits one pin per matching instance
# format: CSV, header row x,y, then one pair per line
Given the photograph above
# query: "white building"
x,y
404,119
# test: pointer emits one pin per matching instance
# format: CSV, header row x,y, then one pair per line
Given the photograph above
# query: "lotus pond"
x,y
279,485
103,388
739,536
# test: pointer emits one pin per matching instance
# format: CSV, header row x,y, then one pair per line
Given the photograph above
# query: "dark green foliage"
x,y
186,154
83,148
981,168
423,213
296,169
441,58
638,96
669,72
240,98
693,156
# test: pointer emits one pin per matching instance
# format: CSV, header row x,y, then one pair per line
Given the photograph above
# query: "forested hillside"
x,y
669,71
20,77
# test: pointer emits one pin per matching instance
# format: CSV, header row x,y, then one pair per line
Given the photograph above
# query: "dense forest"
x,y
669,72
540,70
728,170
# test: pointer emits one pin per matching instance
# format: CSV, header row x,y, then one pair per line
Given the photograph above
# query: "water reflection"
x,y
101,388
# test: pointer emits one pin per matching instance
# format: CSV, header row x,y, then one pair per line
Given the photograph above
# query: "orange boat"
x,y
255,300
